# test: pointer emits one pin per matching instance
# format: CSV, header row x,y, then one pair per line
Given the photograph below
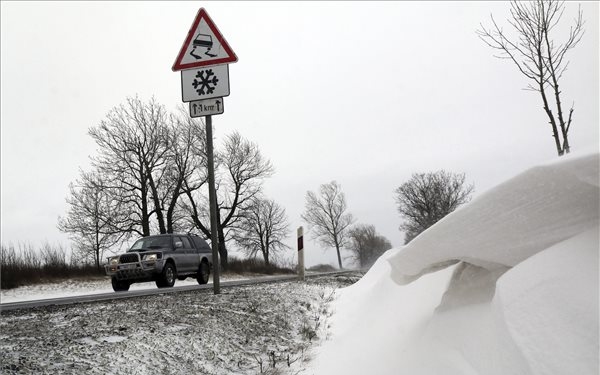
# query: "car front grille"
x,y
131,274
129,258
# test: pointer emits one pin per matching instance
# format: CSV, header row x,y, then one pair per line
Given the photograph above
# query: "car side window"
x,y
201,245
178,243
186,243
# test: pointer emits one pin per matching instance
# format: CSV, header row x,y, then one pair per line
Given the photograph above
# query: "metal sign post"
x,y
204,62
214,241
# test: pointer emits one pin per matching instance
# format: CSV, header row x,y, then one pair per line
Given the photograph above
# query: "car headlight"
x,y
113,261
150,257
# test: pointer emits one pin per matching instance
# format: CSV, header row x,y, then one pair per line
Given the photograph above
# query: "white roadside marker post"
x,y
301,253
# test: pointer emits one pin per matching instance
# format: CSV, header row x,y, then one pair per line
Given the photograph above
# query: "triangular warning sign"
x,y
203,46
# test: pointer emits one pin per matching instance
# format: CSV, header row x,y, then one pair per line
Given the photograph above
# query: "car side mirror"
x,y
178,244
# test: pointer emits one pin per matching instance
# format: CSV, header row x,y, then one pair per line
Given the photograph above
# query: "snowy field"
x,y
264,328
507,284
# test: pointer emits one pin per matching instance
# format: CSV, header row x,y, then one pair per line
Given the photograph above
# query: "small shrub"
x,y
322,268
241,266
25,265
307,332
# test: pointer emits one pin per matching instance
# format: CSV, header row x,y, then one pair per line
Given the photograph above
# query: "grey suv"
x,y
161,258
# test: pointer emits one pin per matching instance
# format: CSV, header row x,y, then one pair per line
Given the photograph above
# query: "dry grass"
x,y
323,268
26,265
243,266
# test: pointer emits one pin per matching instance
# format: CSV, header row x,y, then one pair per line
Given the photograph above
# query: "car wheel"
x,y
203,273
119,286
167,277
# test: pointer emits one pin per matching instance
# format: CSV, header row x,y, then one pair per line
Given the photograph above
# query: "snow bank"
x,y
370,330
509,223
522,297
550,306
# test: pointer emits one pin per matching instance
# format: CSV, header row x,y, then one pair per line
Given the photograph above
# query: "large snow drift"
x,y
508,284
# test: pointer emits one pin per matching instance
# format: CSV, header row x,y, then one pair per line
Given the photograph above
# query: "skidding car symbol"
x,y
202,41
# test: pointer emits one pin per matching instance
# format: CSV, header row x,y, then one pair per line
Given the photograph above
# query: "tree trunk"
x,y
555,134
222,250
172,205
337,248
97,247
155,199
159,217
222,247
145,217
157,208
144,198
97,252
266,254
565,146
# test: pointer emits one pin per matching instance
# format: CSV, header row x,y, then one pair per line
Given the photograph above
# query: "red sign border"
x,y
231,58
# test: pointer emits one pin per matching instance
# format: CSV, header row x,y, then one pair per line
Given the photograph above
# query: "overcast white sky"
x,y
365,93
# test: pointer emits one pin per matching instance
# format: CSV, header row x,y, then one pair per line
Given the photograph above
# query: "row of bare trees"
x,y
149,176
422,201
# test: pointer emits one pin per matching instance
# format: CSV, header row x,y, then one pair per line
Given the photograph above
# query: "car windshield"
x,y
151,243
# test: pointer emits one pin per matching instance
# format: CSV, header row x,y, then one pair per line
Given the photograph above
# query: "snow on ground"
x,y
507,284
262,328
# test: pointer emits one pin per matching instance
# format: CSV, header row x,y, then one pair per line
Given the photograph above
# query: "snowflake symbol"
x,y
207,82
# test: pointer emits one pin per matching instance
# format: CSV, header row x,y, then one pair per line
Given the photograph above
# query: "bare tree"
x,y
537,56
155,164
239,171
185,170
93,219
367,245
262,229
327,218
131,153
428,197
150,158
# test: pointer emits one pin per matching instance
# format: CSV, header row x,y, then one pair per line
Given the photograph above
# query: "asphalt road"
x,y
148,292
